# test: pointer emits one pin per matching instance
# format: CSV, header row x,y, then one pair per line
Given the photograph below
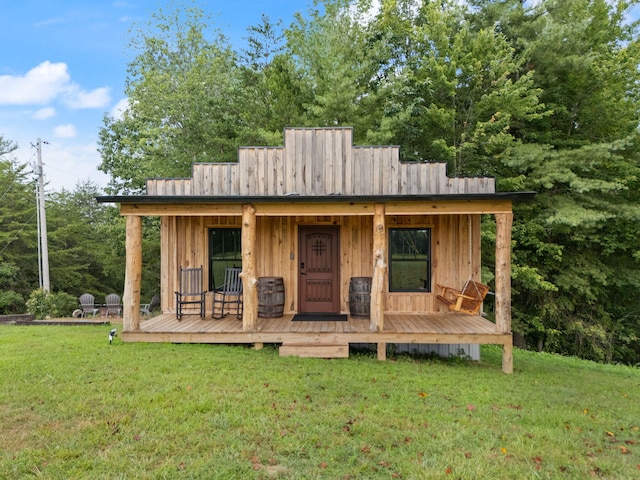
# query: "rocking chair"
x,y
191,291
228,294
468,300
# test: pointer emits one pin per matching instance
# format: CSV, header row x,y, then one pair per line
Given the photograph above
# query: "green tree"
x,y
78,250
337,65
452,92
278,92
18,231
576,266
185,96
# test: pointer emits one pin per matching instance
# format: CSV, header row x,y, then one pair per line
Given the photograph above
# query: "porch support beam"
x,y
379,268
297,208
248,275
504,222
133,275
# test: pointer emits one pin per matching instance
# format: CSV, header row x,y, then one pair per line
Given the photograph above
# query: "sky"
x,y
63,65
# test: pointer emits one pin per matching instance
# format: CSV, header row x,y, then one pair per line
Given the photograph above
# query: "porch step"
x,y
315,350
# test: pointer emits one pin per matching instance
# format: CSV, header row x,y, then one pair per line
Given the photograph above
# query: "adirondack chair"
x,y
468,300
229,294
148,308
191,293
113,304
88,305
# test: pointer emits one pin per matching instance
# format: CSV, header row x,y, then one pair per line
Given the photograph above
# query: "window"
x,y
410,260
224,251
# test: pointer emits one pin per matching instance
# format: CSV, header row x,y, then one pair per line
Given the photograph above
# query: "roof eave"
x,y
190,199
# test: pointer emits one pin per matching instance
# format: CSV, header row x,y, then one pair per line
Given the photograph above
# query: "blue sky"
x,y
63,66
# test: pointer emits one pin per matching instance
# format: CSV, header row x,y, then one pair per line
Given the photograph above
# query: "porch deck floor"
x,y
441,328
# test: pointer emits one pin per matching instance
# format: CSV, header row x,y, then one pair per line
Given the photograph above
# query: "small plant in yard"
x,y
74,406
43,304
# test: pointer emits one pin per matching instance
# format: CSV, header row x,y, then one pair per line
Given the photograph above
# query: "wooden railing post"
x,y
504,223
379,268
133,274
248,275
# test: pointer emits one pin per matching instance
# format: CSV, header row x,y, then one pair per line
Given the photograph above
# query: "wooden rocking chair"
x,y
468,300
229,294
191,291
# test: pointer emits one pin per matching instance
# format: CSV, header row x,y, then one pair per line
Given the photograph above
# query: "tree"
x,y
185,98
576,266
336,65
278,90
18,232
452,92
79,250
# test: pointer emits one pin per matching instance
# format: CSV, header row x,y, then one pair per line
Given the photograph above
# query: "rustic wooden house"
x,y
318,215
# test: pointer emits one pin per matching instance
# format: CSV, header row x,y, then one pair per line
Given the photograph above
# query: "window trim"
x,y
428,286
210,260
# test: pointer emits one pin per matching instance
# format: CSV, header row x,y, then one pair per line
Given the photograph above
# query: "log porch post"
x,y
133,274
248,275
504,223
379,270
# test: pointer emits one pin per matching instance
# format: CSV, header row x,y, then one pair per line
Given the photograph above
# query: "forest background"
x,y
544,96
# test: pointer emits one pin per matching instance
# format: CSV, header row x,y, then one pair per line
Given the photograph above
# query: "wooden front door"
x,y
318,269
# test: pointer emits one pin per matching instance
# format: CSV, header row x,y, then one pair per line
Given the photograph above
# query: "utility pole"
x,y
42,222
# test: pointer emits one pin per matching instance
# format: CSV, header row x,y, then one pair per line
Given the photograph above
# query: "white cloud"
x,y
39,86
65,131
46,83
44,113
94,99
61,158
119,108
50,21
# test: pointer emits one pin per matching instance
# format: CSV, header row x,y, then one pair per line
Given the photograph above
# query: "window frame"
x,y
235,261
427,288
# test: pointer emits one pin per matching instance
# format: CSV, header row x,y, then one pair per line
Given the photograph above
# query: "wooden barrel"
x,y
270,297
360,297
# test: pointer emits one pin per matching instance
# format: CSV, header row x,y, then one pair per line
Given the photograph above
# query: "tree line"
x,y
543,95
85,239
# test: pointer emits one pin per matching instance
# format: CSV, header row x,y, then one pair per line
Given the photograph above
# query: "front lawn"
x,y
73,406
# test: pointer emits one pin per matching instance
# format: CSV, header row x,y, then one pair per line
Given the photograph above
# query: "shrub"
x,y
43,304
10,302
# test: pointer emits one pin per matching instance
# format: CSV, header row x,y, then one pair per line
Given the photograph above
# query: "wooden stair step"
x,y
315,350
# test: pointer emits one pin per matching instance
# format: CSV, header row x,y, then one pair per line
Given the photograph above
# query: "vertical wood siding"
x,y
319,162
184,242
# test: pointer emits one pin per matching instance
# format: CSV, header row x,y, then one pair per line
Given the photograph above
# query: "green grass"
x,y
73,406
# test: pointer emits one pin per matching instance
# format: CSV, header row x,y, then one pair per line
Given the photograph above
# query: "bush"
x,y
43,304
11,302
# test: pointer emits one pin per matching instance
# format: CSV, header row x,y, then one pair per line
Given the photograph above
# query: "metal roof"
x,y
294,198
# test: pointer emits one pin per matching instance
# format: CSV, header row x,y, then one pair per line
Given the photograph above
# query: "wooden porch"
x,y
442,328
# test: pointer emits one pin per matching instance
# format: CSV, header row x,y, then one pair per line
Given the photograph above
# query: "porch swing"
x,y
468,299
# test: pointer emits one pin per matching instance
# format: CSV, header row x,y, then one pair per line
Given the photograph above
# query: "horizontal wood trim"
x,y
303,209
446,208
324,208
184,210
274,337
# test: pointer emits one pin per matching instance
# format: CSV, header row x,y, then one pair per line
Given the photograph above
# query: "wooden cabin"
x,y
319,215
